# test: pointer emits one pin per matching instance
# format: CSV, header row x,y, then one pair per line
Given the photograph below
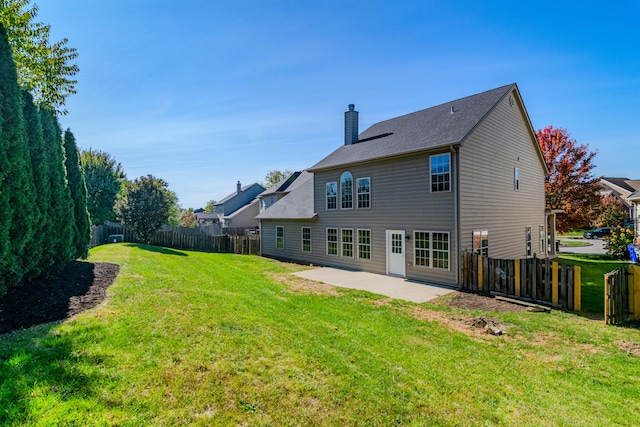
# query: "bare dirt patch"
x,y
304,286
468,301
473,326
632,348
81,286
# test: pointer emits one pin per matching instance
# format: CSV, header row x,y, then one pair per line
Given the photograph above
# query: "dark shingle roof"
x,y
423,130
298,204
620,182
236,194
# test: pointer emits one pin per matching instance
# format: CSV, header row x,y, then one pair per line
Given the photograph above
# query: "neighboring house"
x,y
408,195
238,210
634,198
620,188
277,191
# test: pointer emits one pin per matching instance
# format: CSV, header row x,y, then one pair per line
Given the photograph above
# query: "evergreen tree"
x,y
78,191
40,169
103,177
18,179
60,211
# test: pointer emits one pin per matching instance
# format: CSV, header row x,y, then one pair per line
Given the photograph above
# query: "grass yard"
x,y
592,271
190,338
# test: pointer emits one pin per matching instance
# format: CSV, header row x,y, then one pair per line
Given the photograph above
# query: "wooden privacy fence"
x,y
622,295
536,280
173,237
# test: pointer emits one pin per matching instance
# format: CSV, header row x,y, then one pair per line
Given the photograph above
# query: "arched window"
x,y
346,190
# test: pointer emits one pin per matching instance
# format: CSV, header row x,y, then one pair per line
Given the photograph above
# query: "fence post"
x,y
635,295
516,276
577,289
606,297
480,273
554,282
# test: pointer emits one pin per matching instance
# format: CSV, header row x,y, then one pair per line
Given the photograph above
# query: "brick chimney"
x,y
238,187
350,125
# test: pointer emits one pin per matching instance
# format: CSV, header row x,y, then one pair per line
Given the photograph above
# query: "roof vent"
x,y
453,110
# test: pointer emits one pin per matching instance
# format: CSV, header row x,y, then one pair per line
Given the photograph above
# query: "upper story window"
x,y
516,179
440,165
346,191
363,188
332,195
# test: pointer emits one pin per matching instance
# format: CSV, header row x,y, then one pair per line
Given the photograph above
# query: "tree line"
x,y
44,222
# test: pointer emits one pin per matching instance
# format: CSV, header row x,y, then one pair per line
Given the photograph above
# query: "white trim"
x,y
277,237
302,239
342,242
449,182
357,204
340,188
358,243
326,195
337,242
431,250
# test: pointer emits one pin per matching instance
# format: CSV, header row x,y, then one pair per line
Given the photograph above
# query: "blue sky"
x,y
206,93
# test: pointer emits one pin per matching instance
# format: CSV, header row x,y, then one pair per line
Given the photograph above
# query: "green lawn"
x,y
190,338
592,271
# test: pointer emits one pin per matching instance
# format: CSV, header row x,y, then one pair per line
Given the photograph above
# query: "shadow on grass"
x,y
157,249
41,370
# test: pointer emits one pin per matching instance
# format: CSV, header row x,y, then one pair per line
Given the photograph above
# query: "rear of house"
x,y
405,196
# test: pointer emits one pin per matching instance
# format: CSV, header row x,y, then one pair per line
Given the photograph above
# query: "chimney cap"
x,y
352,107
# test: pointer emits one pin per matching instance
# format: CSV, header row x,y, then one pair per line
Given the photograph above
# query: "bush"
x,y
617,242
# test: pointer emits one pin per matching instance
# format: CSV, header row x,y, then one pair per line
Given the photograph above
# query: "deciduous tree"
x,y
211,205
144,206
103,177
44,68
275,176
571,184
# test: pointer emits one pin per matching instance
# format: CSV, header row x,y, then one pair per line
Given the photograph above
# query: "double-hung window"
x,y
306,239
364,244
440,166
332,195
363,188
280,237
332,241
431,249
346,191
347,242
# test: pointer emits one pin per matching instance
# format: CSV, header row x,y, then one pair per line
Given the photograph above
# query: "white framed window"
x,y
364,244
543,238
440,166
431,249
280,237
347,242
363,190
332,195
346,191
306,239
481,242
528,242
516,179
332,241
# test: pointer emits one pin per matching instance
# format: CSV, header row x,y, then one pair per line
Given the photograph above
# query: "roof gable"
x,y
435,127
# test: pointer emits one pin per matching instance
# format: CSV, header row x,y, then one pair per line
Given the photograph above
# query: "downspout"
x,y
456,216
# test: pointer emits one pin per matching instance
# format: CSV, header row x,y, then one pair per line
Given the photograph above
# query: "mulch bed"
x,y
81,286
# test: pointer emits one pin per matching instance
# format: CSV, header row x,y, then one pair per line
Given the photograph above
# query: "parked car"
x,y
597,233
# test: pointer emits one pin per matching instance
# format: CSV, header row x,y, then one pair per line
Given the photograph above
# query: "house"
x,y
408,195
620,188
277,191
634,199
237,212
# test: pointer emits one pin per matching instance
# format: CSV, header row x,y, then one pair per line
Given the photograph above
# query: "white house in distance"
x,y
408,195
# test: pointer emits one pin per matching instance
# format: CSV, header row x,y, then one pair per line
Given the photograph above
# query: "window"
x,y
332,241
528,241
347,242
346,191
516,179
306,239
280,237
440,172
431,249
363,186
332,195
481,243
364,244
542,238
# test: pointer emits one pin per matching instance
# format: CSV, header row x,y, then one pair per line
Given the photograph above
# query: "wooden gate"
x,y
622,295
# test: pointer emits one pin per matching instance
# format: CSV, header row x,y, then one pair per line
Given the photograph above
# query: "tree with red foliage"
x,y
570,185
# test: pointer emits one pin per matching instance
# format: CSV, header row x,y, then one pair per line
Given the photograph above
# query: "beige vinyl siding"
x,y
488,201
400,200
